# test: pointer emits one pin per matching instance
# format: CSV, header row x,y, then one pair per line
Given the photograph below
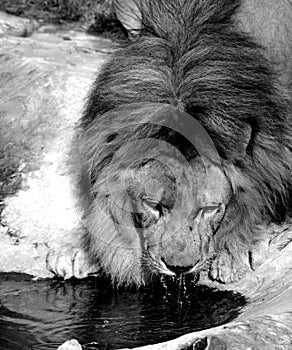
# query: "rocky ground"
x,y
45,74
44,81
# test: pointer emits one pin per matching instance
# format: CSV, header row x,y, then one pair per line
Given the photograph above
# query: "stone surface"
x,y
44,81
70,345
16,26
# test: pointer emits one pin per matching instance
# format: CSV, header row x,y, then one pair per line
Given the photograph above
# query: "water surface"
x,y
44,314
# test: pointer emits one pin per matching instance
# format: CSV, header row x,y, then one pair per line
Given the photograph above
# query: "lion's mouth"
x,y
178,270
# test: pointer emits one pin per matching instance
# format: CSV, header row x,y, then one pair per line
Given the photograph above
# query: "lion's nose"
x,y
178,270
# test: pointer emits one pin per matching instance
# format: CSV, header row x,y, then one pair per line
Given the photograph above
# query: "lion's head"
x,y
157,209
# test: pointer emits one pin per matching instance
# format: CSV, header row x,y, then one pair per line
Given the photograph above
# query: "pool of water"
x,y
44,314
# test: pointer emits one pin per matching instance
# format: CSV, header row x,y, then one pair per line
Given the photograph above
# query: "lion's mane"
x,y
191,55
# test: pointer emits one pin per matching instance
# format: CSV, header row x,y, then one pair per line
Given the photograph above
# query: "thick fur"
x,y
192,55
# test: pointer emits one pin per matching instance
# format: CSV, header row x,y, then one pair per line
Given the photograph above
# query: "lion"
x,y
183,154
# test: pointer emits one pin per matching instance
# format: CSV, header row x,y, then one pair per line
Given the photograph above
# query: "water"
x,y
44,314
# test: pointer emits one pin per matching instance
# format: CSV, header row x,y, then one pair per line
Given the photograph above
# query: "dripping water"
x,y
182,289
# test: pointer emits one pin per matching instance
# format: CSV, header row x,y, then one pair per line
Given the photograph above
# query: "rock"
x,y
16,26
70,345
128,14
44,81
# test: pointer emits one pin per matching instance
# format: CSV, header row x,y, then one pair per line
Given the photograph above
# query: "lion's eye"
x,y
210,210
153,206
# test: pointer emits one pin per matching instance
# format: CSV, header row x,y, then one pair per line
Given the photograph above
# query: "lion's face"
x,y
156,210
177,215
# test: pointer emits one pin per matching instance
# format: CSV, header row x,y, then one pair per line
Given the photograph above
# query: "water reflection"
x,y
44,314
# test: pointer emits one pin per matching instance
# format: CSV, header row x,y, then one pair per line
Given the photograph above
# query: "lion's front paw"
x,y
69,262
226,268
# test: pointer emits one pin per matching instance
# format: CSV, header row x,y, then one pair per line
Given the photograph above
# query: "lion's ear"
x,y
238,142
247,139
